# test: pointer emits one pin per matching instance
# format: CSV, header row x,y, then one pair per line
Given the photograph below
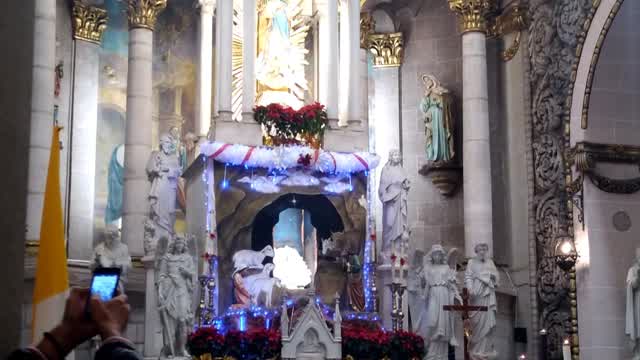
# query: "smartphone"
x,y
104,283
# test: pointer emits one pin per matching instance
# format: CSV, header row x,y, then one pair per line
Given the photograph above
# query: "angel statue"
x,y
438,122
481,279
176,276
434,323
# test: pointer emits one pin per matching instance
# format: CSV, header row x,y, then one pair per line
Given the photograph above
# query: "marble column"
x,y
355,90
89,25
205,77
344,63
224,26
249,59
142,19
44,52
478,217
328,59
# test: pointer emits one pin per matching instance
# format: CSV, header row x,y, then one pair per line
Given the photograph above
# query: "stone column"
x,y
249,59
224,26
44,57
344,64
205,77
135,207
89,24
355,95
475,124
328,62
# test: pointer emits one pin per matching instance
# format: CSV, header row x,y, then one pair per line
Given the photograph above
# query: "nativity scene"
x,y
339,179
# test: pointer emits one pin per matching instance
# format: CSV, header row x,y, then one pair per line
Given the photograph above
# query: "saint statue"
x,y
481,279
632,318
176,283
434,323
436,108
393,192
163,169
115,185
112,252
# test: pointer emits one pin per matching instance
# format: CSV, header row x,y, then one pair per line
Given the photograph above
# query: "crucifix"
x,y
465,308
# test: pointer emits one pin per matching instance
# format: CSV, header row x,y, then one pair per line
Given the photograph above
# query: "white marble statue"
x,y
244,259
176,283
260,286
393,192
112,252
481,279
632,318
164,169
434,323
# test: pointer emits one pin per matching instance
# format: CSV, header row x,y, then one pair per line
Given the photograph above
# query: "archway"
x,y
324,217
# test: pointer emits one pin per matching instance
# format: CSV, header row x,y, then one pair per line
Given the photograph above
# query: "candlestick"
x,y
566,350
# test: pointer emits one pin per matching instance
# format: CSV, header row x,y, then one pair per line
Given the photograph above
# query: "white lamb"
x,y
244,259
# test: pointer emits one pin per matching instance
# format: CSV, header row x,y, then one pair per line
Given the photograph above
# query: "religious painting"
x,y
283,52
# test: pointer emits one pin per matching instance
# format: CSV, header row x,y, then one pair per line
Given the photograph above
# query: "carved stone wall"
x,y
555,33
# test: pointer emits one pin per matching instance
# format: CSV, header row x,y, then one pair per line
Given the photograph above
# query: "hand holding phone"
x,y
104,283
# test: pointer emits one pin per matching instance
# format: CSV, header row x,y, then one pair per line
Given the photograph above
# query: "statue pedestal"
x,y
152,324
386,301
238,132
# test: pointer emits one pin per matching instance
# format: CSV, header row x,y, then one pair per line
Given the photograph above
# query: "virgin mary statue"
x,y
274,45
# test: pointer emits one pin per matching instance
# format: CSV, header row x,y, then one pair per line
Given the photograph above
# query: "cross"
x,y
465,308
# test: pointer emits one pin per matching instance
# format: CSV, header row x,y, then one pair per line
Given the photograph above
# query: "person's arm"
x,y
117,348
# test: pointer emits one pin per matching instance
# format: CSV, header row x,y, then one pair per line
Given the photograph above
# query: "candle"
x,y
566,350
522,357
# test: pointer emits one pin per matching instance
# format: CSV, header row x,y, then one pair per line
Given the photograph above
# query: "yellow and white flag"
x,y
52,280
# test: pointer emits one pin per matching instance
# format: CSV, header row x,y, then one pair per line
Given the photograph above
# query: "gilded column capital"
x,y
472,13
207,6
387,49
89,22
367,26
144,13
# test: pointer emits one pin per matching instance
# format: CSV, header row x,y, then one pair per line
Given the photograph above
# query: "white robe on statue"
x,y
434,323
481,279
632,318
394,204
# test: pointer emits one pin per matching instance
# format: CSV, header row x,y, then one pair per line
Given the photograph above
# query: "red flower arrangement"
x,y
364,340
256,344
285,126
259,344
305,160
206,340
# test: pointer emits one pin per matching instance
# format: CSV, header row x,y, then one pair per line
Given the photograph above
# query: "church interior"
x,y
338,179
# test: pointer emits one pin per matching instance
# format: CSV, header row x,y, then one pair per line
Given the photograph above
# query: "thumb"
x,y
98,310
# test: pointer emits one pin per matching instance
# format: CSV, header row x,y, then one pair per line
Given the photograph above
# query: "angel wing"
x,y
452,258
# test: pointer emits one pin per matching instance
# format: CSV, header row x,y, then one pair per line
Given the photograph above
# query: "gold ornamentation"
x,y
513,19
31,247
367,26
89,22
136,262
387,49
472,13
144,13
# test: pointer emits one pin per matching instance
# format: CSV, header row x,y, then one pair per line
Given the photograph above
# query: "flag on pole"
x,y
52,281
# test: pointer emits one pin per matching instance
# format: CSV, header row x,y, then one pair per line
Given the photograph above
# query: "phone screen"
x,y
104,285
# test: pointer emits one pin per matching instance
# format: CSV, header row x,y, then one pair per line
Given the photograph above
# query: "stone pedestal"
x,y
386,303
152,324
234,132
344,139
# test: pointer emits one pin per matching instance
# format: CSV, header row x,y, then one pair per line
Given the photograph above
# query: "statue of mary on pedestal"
x,y
438,122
